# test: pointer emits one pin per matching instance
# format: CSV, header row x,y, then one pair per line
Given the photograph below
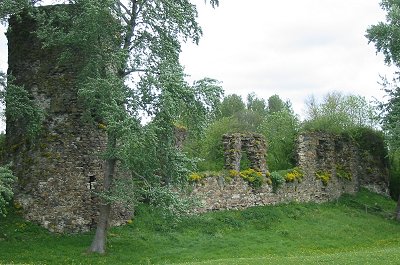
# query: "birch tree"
x,y
130,63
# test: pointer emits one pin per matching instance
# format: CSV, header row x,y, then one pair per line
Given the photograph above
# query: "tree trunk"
x,y
398,210
100,238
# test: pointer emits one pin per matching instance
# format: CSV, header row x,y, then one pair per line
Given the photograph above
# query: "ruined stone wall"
x,y
254,145
60,169
317,153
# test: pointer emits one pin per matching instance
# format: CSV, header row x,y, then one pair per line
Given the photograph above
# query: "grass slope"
x,y
342,232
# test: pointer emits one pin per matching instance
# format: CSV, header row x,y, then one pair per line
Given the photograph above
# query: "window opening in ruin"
x,y
92,181
245,162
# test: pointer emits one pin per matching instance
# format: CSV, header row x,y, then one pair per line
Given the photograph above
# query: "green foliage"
x,y
7,180
391,127
3,81
385,35
256,105
295,174
371,141
277,180
391,111
195,177
230,105
324,176
394,174
170,204
127,54
10,7
244,161
209,148
338,113
336,232
276,104
291,175
250,115
2,146
22,110
280,129
253,177
342,173
200,106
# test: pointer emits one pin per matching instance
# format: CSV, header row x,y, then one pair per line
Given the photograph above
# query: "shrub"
x,y
254,178
233,173
342,173
6,193
195,177
339,113
277,180
324,176
280,129
294,174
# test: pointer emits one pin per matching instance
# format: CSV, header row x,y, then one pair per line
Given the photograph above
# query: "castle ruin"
x,y
60,171
347,168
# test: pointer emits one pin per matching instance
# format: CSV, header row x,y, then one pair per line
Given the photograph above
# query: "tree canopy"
x,y
338,113
385,35
129,52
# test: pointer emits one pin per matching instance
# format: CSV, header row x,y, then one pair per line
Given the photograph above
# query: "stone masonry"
x,y
59,171
253,144
317,152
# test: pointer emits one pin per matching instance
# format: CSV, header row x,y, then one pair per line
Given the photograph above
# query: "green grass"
x,y
342,232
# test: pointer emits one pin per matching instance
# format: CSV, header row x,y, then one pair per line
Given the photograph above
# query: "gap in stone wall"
x,y
245,162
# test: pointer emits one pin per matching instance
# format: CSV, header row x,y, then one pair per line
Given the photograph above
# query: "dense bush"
x,y
280,129
277,180
6,190
394,174
372,141
254,178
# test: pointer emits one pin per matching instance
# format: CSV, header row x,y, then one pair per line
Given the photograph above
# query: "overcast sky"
x,y
293,48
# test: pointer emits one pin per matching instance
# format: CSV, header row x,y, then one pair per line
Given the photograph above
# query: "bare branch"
x,y
130,71
125,8
119,12
141,177
131,25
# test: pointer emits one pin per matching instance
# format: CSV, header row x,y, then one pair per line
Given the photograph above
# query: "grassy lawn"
x,y
341,232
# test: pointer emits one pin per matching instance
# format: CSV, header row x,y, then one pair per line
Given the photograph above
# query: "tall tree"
x,y
230,105
337,113
256,104
385,35
130,63
275,103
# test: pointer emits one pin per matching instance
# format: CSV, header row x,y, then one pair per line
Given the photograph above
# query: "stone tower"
x,y
59,170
